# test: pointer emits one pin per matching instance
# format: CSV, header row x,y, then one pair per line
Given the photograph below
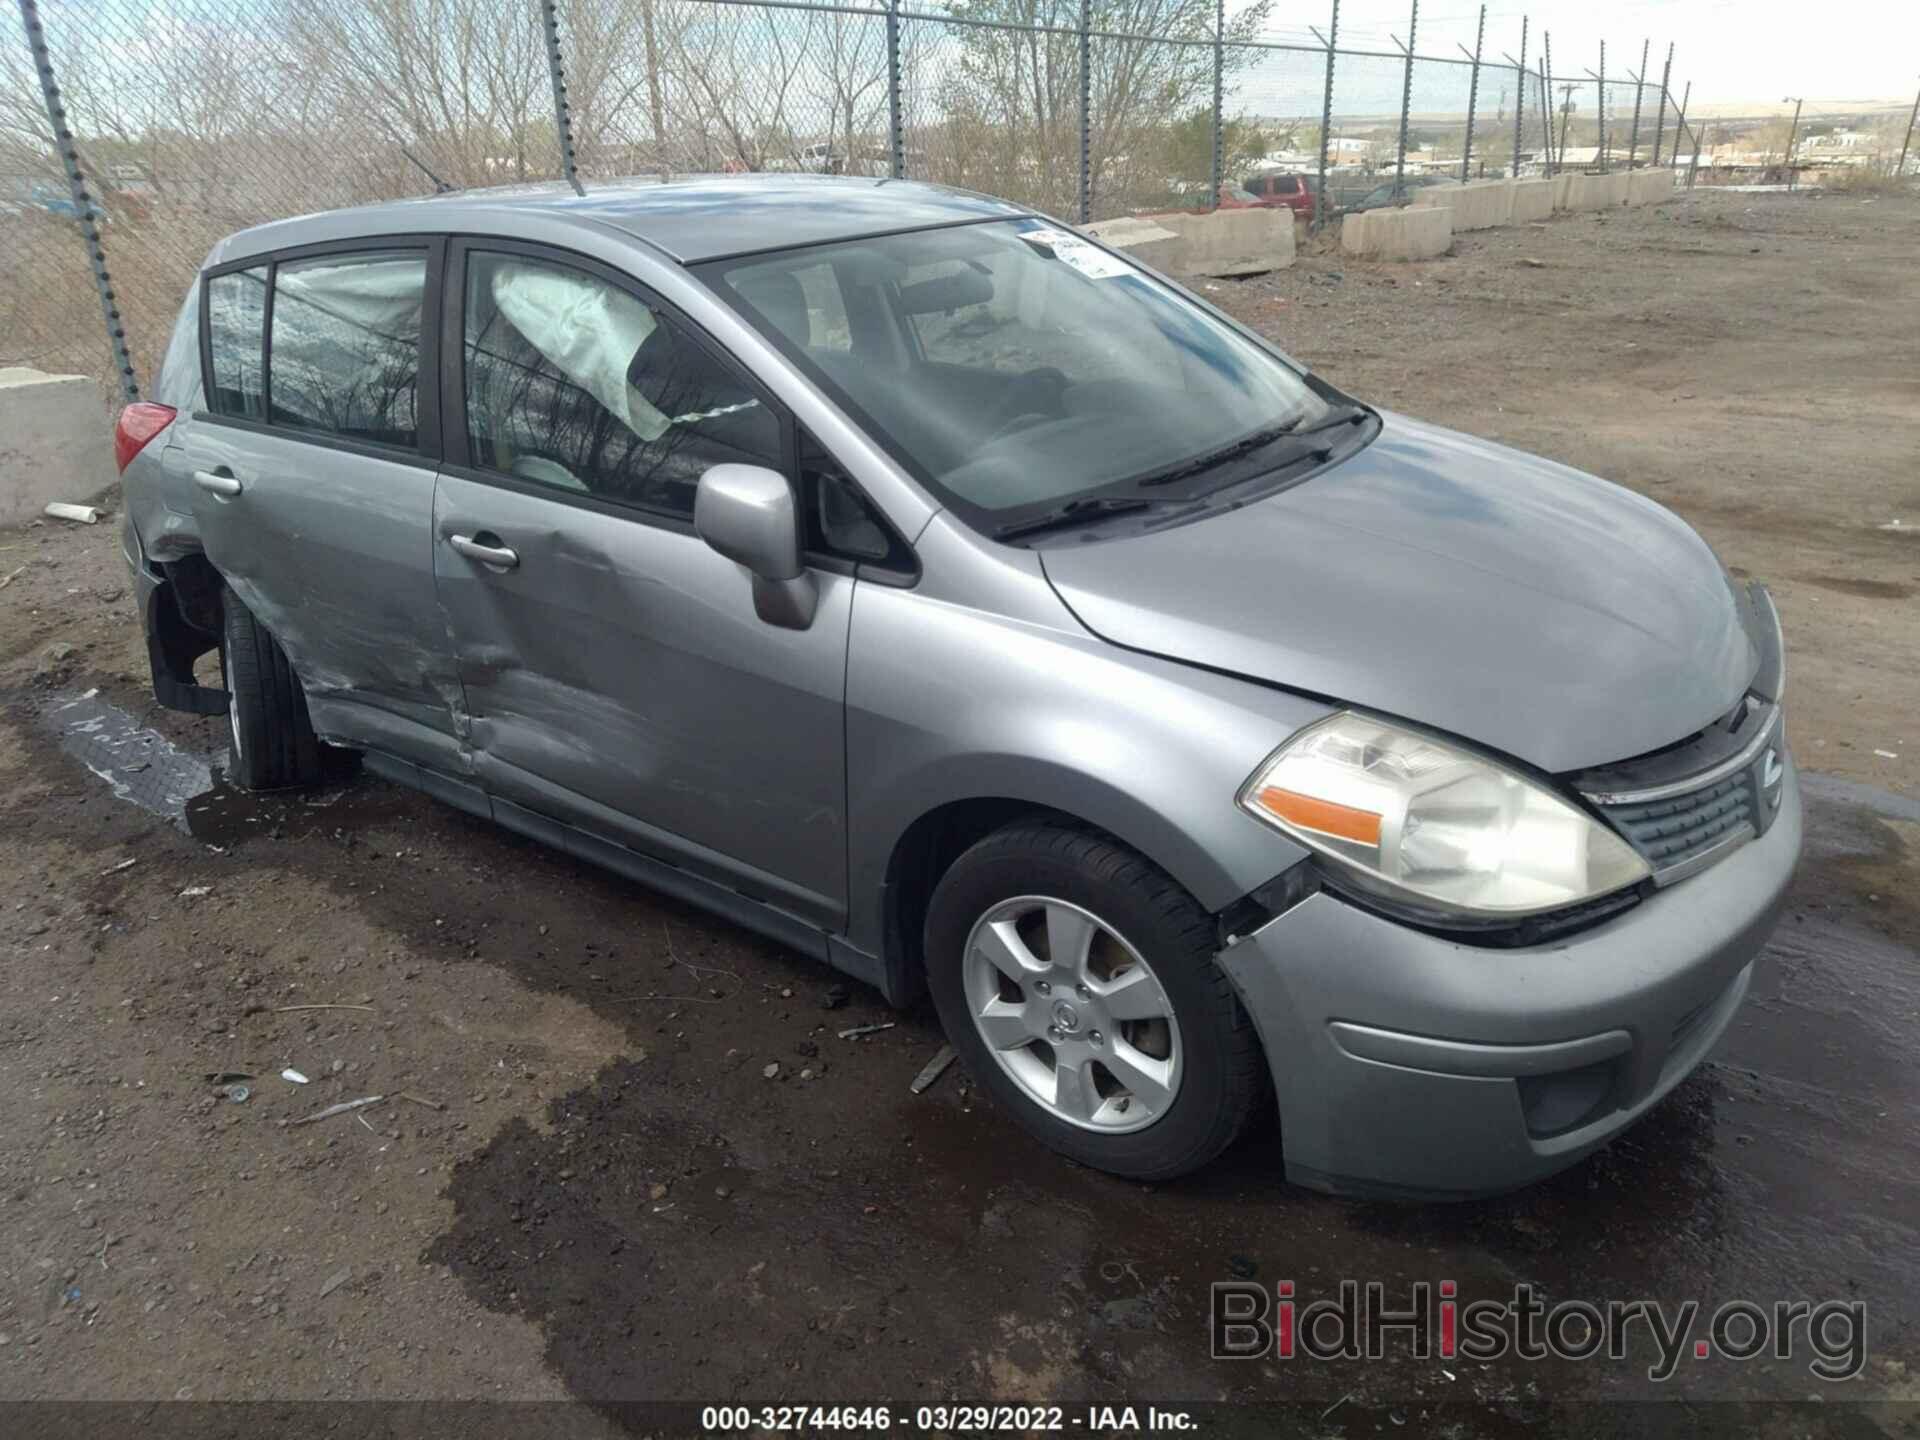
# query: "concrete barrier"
x,y
1476,205
1532,200
1224,242
1650,187
56,442
1597,192
1415,233
1146,241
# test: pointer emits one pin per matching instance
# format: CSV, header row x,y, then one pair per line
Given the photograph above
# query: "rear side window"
x,y
179,379
236,326
1287,186
345,355
575,383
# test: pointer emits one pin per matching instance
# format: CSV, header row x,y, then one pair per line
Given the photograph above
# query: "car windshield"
x,y
1013,366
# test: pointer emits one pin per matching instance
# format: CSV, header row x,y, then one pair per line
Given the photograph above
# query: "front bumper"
x,y
1409,1064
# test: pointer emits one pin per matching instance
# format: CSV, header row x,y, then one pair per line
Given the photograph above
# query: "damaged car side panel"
x,y
618,679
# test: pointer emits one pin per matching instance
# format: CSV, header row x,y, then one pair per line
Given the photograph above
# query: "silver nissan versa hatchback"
x,y
913,580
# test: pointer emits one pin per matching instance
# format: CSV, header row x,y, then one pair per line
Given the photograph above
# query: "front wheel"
x,y
1077,980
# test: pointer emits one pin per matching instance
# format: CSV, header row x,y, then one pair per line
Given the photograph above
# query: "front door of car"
x,y
313,475
617,676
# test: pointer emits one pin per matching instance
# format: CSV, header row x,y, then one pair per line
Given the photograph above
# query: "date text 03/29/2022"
x,y
946,1419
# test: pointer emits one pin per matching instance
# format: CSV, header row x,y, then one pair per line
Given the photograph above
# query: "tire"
x,y
272,739
1201,1074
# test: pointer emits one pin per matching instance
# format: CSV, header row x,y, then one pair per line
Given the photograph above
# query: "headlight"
x,y
1435,825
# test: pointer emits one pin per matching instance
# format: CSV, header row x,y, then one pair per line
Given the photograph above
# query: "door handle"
x,y
497,557
215,483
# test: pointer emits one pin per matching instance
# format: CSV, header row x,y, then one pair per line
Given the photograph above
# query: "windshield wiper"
x,y
1085,508
1214,459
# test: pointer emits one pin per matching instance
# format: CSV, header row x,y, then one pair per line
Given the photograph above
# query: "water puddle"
x,y
140,764
190,791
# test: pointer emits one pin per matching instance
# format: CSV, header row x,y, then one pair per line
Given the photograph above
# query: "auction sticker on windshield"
x,y
1089,260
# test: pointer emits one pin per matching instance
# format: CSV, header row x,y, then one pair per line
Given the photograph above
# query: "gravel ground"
x,y
582,1183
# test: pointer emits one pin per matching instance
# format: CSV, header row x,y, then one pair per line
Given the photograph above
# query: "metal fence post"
x,y
1600,115
1473,98
1326,118
1792,131
1693,168
1406,102
1219,102
562,112
87,214
1519,100
1660,123
1546,114
1639,90
656,113
1086,111
896,137
1900,170
1546,95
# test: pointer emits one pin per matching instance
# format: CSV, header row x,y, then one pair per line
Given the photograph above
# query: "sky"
x,y
1748,52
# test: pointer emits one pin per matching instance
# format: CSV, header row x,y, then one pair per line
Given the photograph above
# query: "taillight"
x,y
138,424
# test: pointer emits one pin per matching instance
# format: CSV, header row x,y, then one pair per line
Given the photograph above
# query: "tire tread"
x,y
1109,862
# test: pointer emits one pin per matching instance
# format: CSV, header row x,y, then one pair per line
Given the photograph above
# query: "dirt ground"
x,y
582,1185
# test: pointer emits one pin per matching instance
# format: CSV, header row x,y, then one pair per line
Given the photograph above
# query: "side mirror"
x,y
747,513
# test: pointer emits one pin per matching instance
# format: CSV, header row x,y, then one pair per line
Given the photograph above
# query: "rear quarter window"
x,y
236,331
178,383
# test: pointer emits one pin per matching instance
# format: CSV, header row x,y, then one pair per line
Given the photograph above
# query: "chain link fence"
x,y
180,121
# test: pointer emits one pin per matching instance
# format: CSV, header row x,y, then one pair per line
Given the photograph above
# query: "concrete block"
x,y
1415,233
1562,190
56,442
1476,205
1598,192
1230,242
1532,200
1142,238
1650,187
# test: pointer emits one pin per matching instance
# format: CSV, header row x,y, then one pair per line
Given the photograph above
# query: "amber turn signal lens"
x,y
1321,816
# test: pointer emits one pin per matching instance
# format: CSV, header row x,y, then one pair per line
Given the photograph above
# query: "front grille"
x,y
1673,831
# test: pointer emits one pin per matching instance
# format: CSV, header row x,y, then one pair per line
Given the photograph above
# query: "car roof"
x,y
699,217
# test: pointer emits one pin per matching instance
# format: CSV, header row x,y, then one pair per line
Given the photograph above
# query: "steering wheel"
x,y
1019,412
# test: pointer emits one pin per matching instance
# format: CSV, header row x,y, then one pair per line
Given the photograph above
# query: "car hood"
x,y
1475,589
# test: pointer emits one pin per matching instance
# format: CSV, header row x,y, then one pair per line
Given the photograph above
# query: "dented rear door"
x,y
312,471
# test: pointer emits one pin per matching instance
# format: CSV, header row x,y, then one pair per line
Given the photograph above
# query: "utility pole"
x,y
1792,130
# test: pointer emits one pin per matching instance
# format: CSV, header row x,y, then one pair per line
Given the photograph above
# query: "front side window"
x,y
1012,364
575,383
237,327
345,354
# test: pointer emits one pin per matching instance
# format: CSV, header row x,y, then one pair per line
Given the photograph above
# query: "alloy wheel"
x,y
1073,1013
